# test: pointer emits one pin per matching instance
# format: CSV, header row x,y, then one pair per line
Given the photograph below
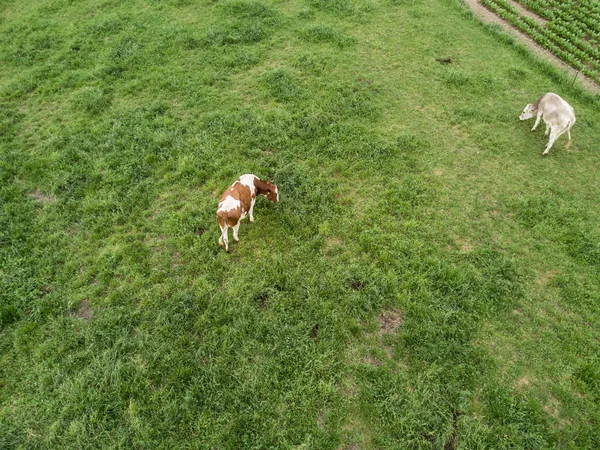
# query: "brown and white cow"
x,y
558,116
238,200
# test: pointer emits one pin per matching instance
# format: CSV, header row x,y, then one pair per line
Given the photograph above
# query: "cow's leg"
x,y
224,240
222,226
537,121
547,129
236,227
252,209
553,137
569,134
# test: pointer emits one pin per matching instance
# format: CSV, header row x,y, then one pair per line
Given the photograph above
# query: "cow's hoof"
x,y
544,154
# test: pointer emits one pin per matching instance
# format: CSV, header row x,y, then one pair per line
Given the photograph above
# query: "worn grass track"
x,y
427,280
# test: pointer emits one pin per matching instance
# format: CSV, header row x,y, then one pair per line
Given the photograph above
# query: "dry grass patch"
x,y
523,382
43,198
176,259
552,407
332,243
544,277
370,360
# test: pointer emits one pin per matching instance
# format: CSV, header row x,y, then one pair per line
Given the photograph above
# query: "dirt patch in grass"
x,y
348,388
552,407
543,278
45,290
389,321
356,285
464,245
85,311
452,442
523,381
262,301
370,360
332,243
43,198
175,259
314,332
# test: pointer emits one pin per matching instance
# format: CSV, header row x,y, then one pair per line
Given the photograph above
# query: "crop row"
x,y
581,18
570,33
588,12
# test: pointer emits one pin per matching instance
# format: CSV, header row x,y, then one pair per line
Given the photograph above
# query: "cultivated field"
x,y
427,280
568,29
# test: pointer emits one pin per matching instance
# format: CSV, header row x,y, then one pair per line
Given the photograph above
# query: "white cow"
x,y
558,115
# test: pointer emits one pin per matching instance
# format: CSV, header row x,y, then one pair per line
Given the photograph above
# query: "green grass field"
x,y
427,281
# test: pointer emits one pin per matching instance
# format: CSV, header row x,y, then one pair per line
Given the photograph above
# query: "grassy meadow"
x,y
427,281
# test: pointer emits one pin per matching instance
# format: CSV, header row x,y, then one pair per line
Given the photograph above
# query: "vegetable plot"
x,y
572,30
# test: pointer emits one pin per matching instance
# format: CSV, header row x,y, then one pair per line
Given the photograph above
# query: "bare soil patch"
x,y
356,285
314,332
262,300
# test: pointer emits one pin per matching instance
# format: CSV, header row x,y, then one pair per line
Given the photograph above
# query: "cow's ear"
x,y
269,181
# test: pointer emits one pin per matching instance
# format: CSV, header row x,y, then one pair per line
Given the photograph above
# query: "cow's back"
x,y
235,201
550,102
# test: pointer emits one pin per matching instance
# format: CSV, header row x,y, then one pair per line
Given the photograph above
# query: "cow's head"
x,y
528,112
272,192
